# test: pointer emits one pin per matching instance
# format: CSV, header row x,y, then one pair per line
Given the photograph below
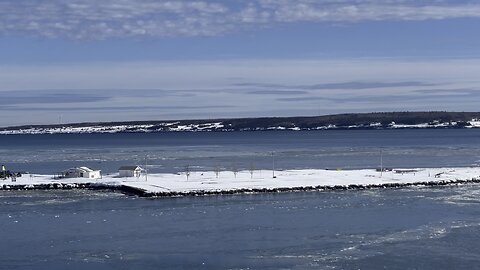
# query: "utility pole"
x,y
146,171
187,171
252,170
381,163
273,165
217,170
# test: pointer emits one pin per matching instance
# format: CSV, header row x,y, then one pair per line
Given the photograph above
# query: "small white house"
x,y
130,171
82,172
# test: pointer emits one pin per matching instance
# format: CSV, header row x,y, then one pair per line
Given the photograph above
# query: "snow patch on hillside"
x,y
220,126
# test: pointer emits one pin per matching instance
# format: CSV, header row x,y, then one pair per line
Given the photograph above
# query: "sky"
x,y
118,60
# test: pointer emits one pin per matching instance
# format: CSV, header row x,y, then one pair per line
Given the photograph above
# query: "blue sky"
x,y
86,60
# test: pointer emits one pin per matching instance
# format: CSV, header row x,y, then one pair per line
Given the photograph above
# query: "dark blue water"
x,y
436,228
171,152
414,228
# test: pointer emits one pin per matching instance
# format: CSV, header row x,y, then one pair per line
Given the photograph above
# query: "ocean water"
x,y
171,152
414,228
411,228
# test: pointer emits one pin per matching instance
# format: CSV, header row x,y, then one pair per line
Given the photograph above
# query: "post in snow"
x,y
273,165
252,170
234,170
146,170
187,171
217,170
381,163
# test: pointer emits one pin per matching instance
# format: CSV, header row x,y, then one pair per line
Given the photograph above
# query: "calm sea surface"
x,y
171,152
413,228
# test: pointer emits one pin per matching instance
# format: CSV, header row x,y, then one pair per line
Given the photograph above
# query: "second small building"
x,y
82,172
130,171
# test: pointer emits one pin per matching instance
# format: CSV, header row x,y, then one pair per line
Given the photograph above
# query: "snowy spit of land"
x,y
222,126
210,182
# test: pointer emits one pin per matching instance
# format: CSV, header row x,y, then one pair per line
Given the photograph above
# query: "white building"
x,y
130,171
82,172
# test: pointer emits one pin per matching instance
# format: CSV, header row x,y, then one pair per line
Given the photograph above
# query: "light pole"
x,y
273,165
381,163
146,171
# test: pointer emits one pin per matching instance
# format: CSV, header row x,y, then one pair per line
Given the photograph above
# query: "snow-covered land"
x,y
172,126
244,181
475,123
176,126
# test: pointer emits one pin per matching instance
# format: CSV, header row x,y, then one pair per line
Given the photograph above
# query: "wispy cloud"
x,y
233,88
111,108
30,97
335,86
431,95
276,92
92,19
456,92
190,78
369,10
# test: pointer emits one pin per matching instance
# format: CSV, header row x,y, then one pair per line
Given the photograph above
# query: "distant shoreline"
x,y
362,121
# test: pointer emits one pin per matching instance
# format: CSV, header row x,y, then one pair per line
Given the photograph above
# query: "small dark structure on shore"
x,y
5,174
130,171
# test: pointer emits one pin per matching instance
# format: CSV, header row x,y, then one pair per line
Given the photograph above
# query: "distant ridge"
x,y
376,120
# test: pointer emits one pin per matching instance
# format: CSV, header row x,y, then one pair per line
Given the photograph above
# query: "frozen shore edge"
x,y
128,190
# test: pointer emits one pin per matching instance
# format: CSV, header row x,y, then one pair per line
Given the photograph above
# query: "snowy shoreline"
x,y
207,183
222,126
